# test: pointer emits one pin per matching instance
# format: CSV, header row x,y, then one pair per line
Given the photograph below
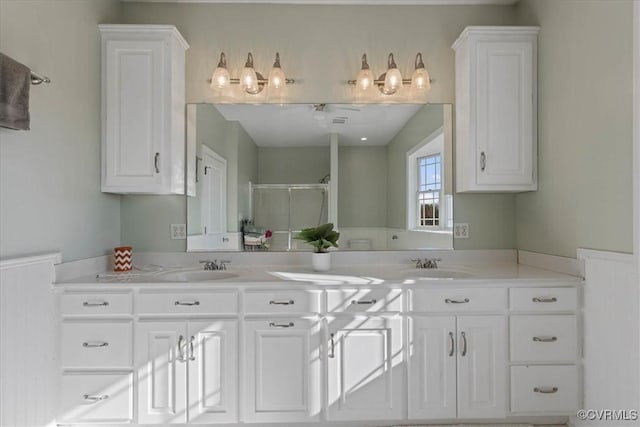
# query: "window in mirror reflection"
x,y
429,189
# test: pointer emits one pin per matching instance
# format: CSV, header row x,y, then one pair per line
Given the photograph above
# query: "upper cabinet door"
x,y
496,122
143,115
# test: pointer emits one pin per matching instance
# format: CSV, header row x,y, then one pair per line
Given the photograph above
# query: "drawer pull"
x,y
95,303
188,303
451,344
332,351
545,299
464,343
456,301
545,339
546,390
95,399
95,344
364,302
288,302
281,325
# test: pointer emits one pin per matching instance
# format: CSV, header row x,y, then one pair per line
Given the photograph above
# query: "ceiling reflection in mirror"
x,y
258,174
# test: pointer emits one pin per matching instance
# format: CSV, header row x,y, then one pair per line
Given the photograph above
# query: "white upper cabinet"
x,y
496,123
143,109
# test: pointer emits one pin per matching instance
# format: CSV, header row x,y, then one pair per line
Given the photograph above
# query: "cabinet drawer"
x,y
282,301
91,398
364,300
543,299
543,338
187,303
459,300
90,303
96,345
544,389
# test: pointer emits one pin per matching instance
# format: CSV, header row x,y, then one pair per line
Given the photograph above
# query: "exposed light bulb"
x,y
220,77
420,78
277,78
365,77
248,77
393,78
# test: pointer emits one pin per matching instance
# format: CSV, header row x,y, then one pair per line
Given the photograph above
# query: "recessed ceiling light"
x,y
364,138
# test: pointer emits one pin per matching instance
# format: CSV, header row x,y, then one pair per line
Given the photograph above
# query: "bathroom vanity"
x,y
363,345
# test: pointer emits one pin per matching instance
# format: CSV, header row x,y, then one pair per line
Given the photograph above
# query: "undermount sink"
x,y
195,276
436,273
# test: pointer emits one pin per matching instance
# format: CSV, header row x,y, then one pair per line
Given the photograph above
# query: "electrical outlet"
x,y
461,231
178,231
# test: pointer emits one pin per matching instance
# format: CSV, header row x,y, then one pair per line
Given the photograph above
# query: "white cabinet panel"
x,y
143,114
96,345
96,398
543,299
282,370
187,302
95,303
364,300
544,338
460,300
213,367
496,112
482,367
432,367
544,389
365,361
282,301
162,372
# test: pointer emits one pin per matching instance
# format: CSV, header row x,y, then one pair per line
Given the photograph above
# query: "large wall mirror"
x,y
258,174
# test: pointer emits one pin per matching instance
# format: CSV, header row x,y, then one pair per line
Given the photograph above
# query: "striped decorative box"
x,y
122,258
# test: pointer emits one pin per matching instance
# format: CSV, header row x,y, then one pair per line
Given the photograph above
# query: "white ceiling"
x,y
288,125
344,2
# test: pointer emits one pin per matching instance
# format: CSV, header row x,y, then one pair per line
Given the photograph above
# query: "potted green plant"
x,y
320,238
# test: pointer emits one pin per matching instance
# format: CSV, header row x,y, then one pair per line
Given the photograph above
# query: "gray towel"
x,y
15,82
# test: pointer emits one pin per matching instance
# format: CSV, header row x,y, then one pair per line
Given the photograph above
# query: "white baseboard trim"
x,y
550,262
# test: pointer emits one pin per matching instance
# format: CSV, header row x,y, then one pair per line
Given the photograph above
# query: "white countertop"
x,y
358,275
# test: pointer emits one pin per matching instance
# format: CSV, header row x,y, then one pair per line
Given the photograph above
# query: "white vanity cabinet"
x,y
281,367
496,105
186,353
457,362
365,357
544,350
143,109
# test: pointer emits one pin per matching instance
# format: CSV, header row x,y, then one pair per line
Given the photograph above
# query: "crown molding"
x,y
344,2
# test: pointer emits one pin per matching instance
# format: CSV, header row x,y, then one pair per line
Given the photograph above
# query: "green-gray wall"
x,y
50,197
292,165
585,123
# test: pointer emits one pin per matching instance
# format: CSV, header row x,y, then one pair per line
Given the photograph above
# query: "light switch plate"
x,y
461,231
178,231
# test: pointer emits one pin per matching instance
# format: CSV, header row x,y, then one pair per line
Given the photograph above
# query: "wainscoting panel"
x,y
611,359
28,341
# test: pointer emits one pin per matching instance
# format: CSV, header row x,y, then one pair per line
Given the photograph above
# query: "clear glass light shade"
x,y
220,78
249,80
392,81
277,79
420,80
365,79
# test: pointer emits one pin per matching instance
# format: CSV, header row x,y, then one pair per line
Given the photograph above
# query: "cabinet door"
x,y
432,367
365,368
282,370
213,371
133,123
505,113
482,367
160,354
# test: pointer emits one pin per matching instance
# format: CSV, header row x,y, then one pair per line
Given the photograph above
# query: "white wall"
x,y
50,195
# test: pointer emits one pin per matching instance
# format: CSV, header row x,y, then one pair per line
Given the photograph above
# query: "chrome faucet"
x,y
426,263
215,265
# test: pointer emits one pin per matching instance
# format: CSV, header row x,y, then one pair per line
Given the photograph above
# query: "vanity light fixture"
x,y
391,81
250,81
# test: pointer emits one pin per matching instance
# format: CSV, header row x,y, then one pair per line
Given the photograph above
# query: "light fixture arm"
x,y
223,61
419,63
365,65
